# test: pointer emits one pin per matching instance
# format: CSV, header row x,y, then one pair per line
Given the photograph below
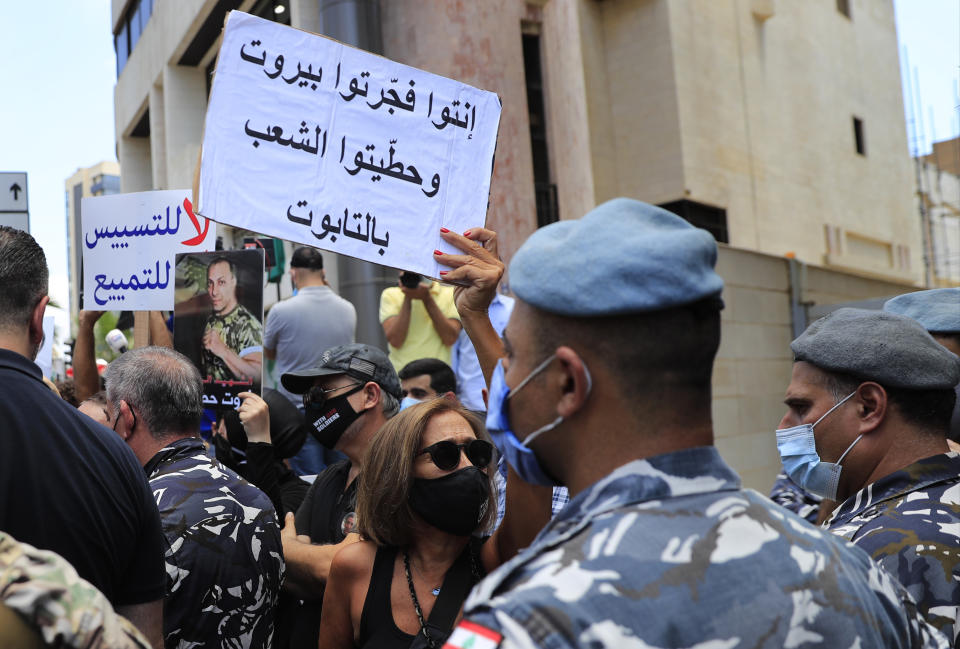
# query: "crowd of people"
x,y
516,472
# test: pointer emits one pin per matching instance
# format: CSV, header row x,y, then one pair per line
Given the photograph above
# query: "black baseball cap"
x,y
362,362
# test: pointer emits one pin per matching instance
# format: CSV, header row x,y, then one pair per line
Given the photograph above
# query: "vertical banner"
x,y
309,140
129,242
218,321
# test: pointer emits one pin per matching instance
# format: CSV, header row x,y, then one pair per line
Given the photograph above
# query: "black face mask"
x,y
454,503
329,422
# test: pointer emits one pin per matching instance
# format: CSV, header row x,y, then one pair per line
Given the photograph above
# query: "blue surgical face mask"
x,y
408,401
518,454
798,451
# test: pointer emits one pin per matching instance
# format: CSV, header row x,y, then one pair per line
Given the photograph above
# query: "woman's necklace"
x,y
416,602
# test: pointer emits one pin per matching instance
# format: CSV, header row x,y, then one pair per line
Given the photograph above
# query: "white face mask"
x,y
798,451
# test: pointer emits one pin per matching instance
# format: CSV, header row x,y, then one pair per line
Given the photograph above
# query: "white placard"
x,y
310,140
130,243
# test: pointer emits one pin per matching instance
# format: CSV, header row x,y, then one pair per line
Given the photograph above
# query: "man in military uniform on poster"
x,y
232,336
879,392
605,387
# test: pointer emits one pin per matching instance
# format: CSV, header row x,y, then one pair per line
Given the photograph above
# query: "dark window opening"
x,y
205,37
843,6
142,129
545,191
712,219
276,10
858,136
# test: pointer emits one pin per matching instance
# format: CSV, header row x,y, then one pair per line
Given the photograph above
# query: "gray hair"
x,y
162,384
390,404
23,277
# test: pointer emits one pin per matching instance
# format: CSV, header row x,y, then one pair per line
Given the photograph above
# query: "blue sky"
x,y
58,73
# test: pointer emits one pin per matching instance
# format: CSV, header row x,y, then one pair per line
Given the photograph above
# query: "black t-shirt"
x,y
326,516
71,485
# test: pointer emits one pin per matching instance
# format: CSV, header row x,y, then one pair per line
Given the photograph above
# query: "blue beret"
x,y
938,310
893,350
622,257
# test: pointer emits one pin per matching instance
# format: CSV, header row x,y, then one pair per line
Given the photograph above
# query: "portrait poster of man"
x,y
218,321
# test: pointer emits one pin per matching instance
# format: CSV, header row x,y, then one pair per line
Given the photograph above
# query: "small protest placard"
x,y
129,243
310,140
218,321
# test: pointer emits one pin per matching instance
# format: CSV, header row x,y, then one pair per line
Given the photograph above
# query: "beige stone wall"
x,y
754,362
766,117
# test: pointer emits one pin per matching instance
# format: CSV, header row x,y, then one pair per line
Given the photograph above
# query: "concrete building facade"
x,y
101,179
938,201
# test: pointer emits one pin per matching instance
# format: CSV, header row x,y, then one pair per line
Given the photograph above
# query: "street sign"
x,y
13,191
14,209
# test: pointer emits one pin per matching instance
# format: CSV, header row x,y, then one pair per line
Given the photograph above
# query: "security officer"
x,y
605,388
868,409
938,311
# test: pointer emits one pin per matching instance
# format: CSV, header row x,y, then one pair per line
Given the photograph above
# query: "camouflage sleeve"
x,y
250,336
791,496
67,610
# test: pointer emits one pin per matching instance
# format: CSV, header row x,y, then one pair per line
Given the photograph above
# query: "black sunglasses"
x,y
446,454
317,396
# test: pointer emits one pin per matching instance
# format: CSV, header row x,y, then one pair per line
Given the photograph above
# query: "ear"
x,y
574,382
372,396
872,406
452,396
36,320
125,415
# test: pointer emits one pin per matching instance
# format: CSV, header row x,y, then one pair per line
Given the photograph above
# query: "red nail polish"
x,y
437,252
444,272
444,230
467,233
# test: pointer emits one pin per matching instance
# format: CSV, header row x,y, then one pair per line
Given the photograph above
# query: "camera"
x,y
410,280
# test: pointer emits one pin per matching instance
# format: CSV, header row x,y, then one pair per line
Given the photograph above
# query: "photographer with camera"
x,y
419,319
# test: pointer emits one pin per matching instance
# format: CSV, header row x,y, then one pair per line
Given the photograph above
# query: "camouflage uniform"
x,y
909,522
224,558
66,609
792,496
671,552
240,331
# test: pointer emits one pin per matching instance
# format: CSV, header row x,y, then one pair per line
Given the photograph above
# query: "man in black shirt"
x,y
68,484
347,399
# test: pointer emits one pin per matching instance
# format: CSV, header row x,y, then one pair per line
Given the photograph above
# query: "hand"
x,y
476,273
89,318
255,417
289,532
213,342
421,292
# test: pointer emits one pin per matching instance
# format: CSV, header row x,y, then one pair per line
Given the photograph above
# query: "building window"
x,y
131,27
843,6
858,136
712,219
545,191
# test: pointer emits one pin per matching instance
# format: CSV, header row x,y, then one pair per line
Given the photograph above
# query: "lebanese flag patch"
x,y
470,635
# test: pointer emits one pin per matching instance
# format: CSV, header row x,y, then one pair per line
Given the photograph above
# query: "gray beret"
x,y
893,350
622,257
938,310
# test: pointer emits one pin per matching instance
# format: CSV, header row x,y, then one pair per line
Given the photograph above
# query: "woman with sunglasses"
x,y
425,504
